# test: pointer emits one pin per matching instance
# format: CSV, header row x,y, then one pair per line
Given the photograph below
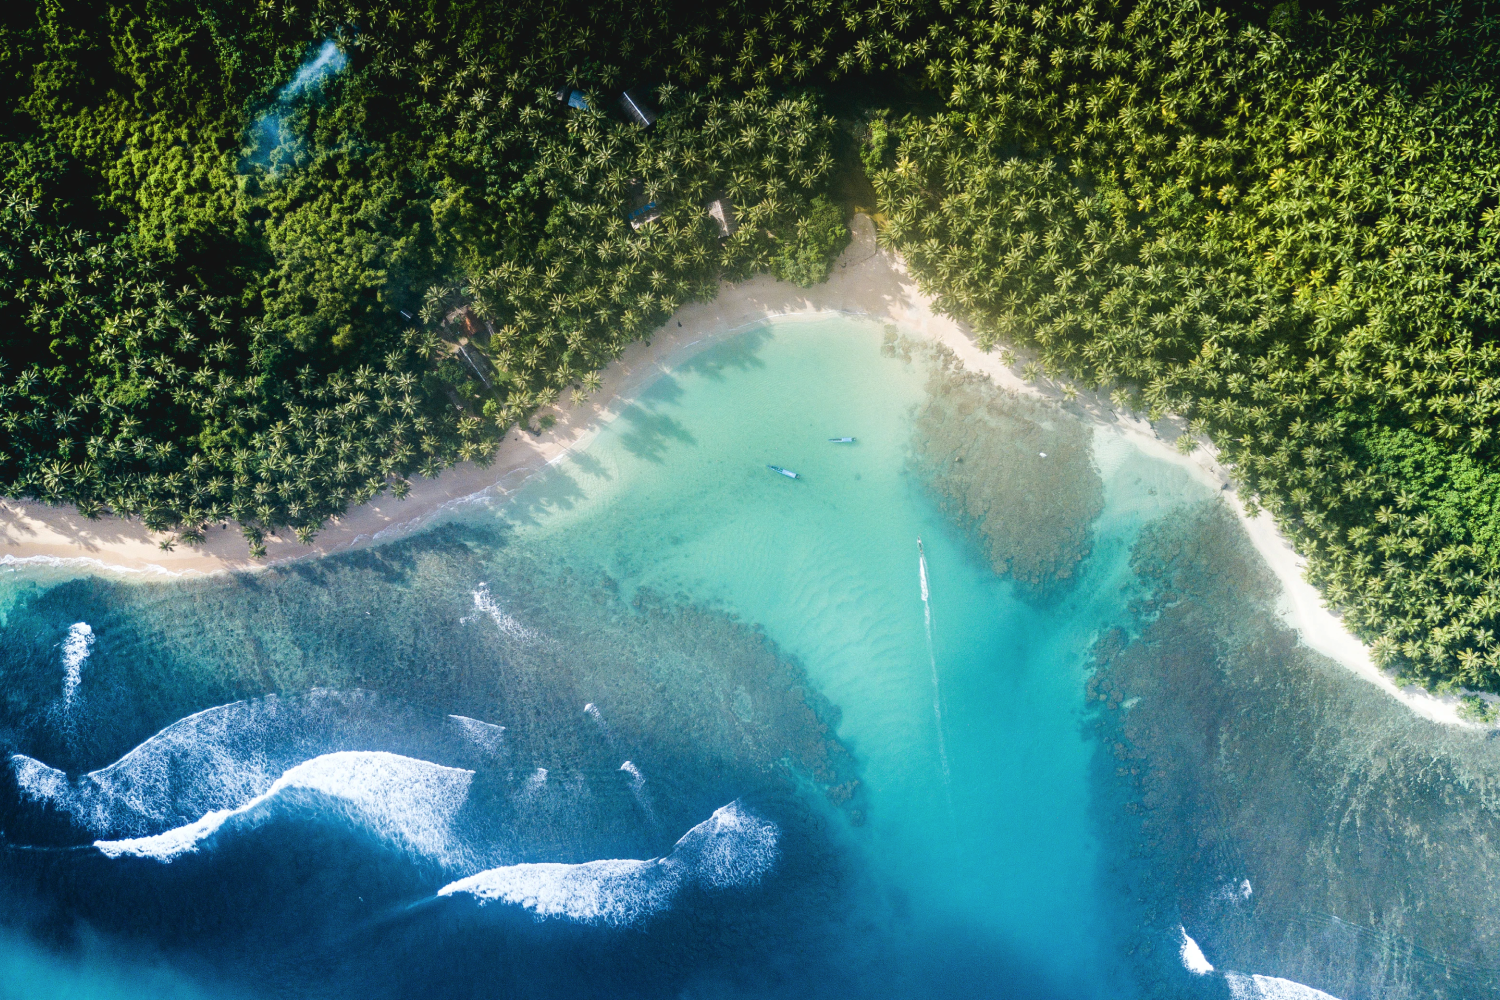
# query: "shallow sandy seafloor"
x,y
1029,759
868,281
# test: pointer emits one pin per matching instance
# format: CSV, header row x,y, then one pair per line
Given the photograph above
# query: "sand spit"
x,y
867,282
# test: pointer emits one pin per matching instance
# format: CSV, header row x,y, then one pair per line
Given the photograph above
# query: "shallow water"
x,y
1028,758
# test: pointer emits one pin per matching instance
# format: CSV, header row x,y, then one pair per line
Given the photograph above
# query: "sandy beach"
x,y
867,282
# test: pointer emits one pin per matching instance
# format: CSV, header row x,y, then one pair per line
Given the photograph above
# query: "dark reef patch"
x,y
1293,818
1017,472
454,621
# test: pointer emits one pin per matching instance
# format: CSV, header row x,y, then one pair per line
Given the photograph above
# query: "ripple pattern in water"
x,y
463,764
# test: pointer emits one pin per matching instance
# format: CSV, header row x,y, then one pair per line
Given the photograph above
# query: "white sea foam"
x,y
616,893
535,785
36,780
1192,956
638,789
75,649
937,693
1243,987
82,562
1235,893
486,735
592,711
732,848
216,759
485,602
408,802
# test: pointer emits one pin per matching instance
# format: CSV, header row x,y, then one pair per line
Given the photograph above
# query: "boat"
x,y
919,547
842,440
785,472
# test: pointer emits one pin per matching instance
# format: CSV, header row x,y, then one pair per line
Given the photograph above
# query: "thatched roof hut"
x,y
721,210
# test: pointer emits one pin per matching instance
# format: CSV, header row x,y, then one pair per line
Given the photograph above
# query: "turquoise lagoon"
x,y
1064,749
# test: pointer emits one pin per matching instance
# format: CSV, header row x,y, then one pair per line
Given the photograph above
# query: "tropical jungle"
x,y
260,261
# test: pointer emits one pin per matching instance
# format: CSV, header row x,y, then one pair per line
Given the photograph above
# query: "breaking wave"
x,y
733,848
616,893
75,649
484,601
638,790
217,759
1192,956
410,803
486,735
1243,987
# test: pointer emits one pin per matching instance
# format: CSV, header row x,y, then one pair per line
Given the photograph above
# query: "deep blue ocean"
x,y
983,703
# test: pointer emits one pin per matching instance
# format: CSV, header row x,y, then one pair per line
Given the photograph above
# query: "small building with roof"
x,y
721,210
643,208
639,111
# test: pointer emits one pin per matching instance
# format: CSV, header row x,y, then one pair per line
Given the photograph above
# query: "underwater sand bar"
x,y
867,281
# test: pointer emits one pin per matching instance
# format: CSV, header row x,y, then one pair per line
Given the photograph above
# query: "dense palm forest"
x,y
262,260
1282,229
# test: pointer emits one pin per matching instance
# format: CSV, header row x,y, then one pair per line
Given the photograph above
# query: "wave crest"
x,y
1243,987
75,649
410,803
733,848
216,759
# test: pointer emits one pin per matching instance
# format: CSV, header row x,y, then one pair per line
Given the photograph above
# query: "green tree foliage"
x,y
236,288
808,255
1288,238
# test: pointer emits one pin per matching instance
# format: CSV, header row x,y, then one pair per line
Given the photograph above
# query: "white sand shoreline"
x,y
868,283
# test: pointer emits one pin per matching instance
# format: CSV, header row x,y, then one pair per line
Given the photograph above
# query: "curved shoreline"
x,y
867,282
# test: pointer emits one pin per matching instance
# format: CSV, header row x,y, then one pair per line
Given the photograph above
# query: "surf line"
x,y
937,694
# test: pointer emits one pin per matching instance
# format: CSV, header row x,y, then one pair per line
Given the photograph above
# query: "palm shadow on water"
x,y
589,465
649,433
740,353
550,491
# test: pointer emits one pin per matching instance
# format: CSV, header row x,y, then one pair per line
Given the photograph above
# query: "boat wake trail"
x,y
937,694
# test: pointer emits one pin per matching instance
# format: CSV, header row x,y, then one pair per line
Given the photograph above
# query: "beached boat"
x,y
842,440
785,472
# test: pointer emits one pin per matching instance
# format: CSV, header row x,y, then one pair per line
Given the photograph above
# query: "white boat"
x,y
842,440
785,472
